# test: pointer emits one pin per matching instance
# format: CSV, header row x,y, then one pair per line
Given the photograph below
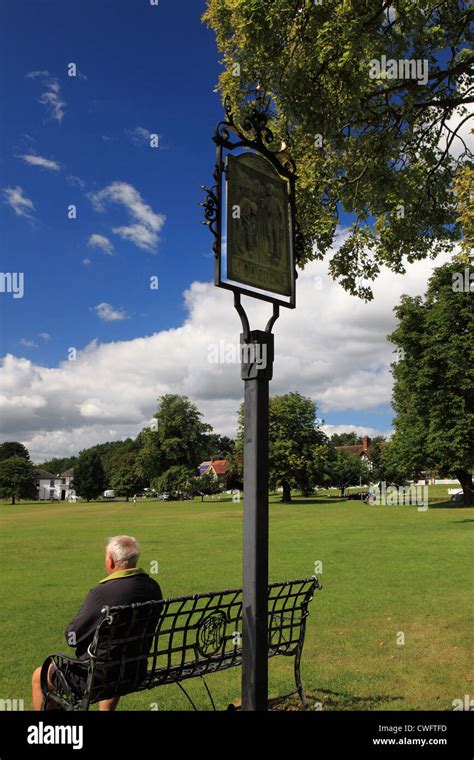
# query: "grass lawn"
x,y
386,571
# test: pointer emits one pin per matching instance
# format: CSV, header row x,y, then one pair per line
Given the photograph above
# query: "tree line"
x,y
433,399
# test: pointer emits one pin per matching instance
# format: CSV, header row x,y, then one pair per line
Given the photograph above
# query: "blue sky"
x,y
84,140
152,67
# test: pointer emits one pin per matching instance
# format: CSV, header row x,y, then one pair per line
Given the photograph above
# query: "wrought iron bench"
x,y
141,646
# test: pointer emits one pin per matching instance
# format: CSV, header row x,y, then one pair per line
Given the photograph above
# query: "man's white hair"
x,y
124,550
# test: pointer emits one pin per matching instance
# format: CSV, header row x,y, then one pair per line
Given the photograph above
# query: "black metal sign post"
x,y
259,261
255,546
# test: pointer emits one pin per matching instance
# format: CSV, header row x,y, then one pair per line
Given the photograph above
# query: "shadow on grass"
x,y
315,500
448,505
331,700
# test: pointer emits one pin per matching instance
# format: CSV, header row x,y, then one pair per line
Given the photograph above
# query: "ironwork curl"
x,y
211,214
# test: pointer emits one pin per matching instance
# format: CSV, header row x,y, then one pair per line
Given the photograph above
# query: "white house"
x,y
58,487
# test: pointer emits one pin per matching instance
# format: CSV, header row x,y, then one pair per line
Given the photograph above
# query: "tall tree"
x,y
176,479
348,470
179,437
296,443
433,394
17,479
372,96
89,475
10,449
388,467
126,478
204,485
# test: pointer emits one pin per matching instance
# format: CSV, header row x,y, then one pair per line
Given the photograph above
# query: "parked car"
x,y
109,494
164,496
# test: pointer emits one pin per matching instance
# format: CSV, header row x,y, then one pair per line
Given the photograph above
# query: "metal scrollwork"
x,y
211,211
250,133
211,633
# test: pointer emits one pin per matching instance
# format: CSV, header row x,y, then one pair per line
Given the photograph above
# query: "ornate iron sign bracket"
x,y
253,137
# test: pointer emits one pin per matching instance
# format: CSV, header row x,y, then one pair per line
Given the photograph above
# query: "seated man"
x,y
125,584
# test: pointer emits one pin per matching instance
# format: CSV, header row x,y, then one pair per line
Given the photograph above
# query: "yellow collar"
x,y
123,574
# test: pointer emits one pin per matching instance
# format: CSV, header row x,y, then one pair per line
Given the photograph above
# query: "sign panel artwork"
x,y
258,226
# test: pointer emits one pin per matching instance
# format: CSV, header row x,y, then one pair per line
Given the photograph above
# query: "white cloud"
x,y
19,202
148,223
102,242
36,74
76,181
332,347
28,343
86,261
140,235
458,132
45,336
45,163
106,312
51,98
140,135
360,430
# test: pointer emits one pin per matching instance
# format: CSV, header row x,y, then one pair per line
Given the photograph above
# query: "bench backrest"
x,y
147,644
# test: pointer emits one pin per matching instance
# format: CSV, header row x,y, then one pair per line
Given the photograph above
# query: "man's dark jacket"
x,y
123,587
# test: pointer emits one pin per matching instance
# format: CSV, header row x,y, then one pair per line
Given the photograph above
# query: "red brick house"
x,y
358,450
219,468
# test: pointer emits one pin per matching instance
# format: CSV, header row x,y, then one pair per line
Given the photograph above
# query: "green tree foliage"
x,y
17,479
388,467
126,478
58,464
218,446
464,188
112,453
346,439
10,449
177,479
433,394
348,470
179,437
89,475
368,139
296,444
205,485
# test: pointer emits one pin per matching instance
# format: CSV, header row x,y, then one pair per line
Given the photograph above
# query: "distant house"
x,y
58,487
359,450
219,468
